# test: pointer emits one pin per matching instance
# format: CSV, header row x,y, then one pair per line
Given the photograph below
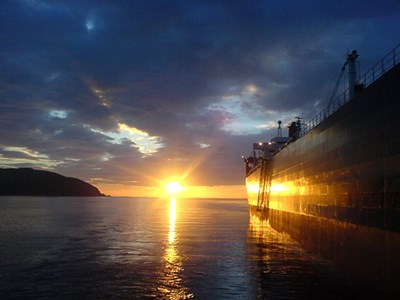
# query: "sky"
x,y
127,95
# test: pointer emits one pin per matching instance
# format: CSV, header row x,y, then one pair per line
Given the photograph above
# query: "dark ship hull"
x,y
336,189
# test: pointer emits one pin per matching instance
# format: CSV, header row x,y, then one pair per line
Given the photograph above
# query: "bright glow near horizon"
x,y
173,187
133,190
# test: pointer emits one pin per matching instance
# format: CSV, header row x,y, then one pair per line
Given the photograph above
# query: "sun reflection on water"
x,y
172,219
172,283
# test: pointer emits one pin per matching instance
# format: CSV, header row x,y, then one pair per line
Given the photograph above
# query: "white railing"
x,y
380,68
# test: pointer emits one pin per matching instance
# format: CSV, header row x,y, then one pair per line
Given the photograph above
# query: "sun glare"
x,y
173,187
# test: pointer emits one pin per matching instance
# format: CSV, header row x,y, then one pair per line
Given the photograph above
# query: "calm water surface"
x,y
134,248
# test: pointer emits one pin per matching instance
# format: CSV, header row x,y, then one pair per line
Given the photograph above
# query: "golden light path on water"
x,y
172,220
172,284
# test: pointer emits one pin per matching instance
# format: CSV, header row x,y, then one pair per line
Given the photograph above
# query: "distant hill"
x,y
30,182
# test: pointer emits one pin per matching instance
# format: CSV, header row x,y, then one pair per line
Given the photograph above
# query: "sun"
x,y
173,187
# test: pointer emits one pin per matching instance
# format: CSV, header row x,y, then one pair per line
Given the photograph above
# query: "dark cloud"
x,y
181,71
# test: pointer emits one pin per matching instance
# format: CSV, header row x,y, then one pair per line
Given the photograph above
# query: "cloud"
x,y
196,82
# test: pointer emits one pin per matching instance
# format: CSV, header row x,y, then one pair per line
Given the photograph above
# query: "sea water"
x,y
147,248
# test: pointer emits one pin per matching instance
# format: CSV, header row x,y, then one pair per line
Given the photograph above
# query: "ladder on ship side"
x,y
262,186
268,179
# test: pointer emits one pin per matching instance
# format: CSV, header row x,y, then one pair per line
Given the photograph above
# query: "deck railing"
x,y
380,68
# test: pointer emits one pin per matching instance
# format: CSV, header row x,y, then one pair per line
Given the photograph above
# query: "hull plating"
x,y
347,168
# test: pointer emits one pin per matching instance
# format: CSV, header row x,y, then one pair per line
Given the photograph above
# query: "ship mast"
x,y
351,62
279,133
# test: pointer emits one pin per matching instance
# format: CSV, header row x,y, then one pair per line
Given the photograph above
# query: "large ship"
x,y
333,183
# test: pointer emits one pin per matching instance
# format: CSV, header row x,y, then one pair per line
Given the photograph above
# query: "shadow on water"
x,y
287,271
